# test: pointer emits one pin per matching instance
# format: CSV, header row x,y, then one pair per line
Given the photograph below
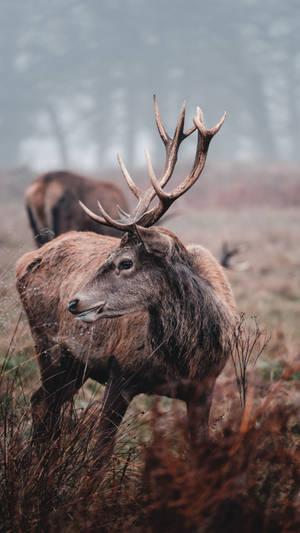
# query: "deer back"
x,y
52,203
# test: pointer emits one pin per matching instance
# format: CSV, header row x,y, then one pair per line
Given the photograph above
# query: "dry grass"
x,y
244,479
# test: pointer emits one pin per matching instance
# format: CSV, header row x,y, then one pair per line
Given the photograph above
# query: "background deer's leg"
x,y
61,379
117,396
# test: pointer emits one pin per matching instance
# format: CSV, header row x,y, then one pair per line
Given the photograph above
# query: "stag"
x,y
52,204
144,314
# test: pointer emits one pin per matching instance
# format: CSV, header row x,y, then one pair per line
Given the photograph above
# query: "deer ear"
x,y
154,241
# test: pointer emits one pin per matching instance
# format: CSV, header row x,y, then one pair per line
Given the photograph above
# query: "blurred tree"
x,y
82,74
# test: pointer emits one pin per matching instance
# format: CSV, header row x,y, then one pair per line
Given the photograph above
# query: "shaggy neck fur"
x,y
189,319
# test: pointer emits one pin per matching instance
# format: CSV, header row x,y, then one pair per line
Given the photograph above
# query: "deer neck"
x,y
188,318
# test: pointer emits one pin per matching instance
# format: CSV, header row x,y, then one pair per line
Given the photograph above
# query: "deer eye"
x,y
125,264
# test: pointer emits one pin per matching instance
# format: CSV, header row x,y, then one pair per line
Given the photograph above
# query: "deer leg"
x,y
59,383
36,234
116,399
198,403
198,398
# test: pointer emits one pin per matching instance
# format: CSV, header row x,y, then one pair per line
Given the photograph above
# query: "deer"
x,y
226,254
52,204
140,314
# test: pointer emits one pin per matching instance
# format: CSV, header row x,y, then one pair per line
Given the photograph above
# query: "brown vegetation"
x,y
243,479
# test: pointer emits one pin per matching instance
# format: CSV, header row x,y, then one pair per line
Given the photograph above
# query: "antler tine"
x,y
199,123
162,132
166,199
92,215
154,181
199,115
216,128
115,223
106,220
179,135
123,213
144,199
204,138
165,137
132,186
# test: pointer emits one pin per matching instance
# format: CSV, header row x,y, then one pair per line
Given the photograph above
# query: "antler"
x,y
166,199
140,215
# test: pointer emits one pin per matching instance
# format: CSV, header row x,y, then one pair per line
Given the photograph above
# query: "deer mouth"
x,y
91,314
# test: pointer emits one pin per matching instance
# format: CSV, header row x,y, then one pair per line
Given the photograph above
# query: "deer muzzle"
x,y
89,314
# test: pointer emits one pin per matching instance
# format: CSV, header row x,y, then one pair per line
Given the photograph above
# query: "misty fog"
x,y
77,78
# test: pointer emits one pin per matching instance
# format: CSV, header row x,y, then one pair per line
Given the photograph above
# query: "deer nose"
x,y
72,306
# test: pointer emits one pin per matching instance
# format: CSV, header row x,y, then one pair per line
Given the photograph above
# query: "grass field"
x,y
244,479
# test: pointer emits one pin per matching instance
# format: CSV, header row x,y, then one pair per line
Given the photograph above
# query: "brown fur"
x,y
52,204
70,351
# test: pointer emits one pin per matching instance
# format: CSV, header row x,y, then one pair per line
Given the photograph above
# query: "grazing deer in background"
x,y
144,314
53,208
227,253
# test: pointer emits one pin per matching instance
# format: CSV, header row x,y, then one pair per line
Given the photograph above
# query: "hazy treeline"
x,y
77,77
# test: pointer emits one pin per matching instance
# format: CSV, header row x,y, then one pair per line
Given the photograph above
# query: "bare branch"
x,y
248,343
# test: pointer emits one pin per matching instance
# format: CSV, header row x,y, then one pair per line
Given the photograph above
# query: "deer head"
x,y
130,279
